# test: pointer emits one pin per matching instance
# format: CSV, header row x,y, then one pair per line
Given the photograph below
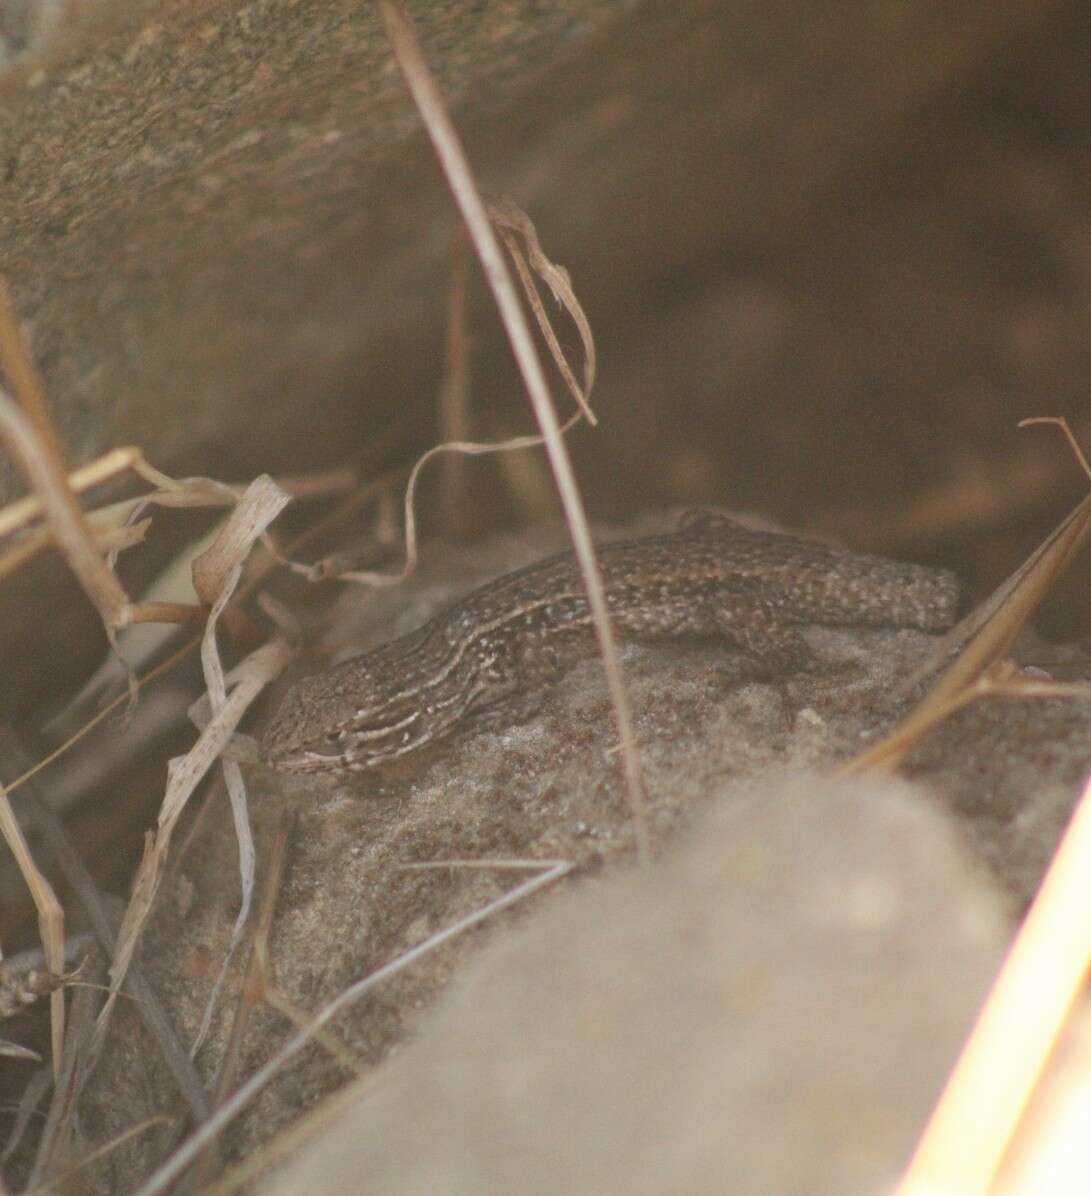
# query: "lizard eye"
x,y
330,746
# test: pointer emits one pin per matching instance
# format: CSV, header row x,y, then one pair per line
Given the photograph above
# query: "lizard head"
x,y
353,719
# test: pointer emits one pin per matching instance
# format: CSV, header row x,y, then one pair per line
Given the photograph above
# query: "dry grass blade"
x,y
992,629
32,439
257,968
453,405
25,381
71,531
13,1050
103,920
253,981
510,219
169,600
108,536
168,492
222,567
464,189
24,510
115,527
184,774
163,667
216,574
276,998
972,1126
1060,422
50,917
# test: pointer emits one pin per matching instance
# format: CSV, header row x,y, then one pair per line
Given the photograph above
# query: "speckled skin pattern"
x,y
488,657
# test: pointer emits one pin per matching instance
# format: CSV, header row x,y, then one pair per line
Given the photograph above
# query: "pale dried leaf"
x,y
259,506
184,773
511,219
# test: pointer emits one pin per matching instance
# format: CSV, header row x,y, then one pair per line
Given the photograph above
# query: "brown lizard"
x,y
488,657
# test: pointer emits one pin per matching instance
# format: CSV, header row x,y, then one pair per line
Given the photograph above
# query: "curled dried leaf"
x,y
512,222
